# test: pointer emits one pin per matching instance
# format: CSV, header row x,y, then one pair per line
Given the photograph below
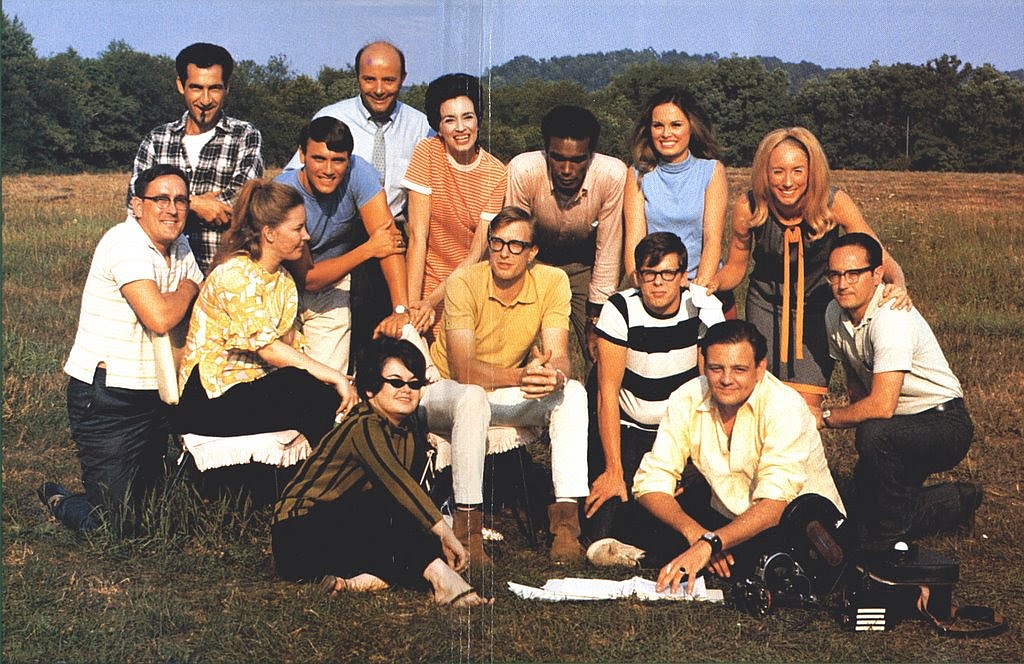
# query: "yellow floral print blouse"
x,y
240,309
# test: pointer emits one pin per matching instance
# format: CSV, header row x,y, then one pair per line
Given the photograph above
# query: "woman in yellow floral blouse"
x,y
244,369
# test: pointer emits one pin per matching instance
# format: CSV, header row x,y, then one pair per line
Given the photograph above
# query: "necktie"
x,y
379,152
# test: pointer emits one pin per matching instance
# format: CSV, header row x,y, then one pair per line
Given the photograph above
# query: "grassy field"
x,y
199,586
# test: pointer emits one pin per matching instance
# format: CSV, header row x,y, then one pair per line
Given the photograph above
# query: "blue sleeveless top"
x,y
674,202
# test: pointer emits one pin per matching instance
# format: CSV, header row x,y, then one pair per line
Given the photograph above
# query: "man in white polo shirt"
x,y
905,402
143,279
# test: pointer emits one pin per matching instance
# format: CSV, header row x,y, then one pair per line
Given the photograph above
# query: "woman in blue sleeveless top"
x,y
788,221
676,183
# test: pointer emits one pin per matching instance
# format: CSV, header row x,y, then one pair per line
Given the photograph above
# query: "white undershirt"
x,y
194,144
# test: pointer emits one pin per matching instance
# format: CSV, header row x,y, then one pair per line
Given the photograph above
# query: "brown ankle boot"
x,y
467,525
565,526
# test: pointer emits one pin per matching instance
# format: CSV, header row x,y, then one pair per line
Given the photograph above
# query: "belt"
x,y
949,405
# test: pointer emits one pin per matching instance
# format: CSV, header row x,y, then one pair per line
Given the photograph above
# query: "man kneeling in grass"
x,y
143,277
905,402
755,444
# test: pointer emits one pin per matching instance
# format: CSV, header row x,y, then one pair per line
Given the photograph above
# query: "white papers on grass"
x,y
709,307
580,590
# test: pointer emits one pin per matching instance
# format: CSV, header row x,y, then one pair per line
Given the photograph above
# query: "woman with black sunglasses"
x,y
354,517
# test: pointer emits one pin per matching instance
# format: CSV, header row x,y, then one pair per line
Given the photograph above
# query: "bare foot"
x,y
450,589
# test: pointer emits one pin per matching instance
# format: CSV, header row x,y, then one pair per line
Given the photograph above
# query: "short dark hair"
x,y
331,131
567,121
204,55
153,172
654,247
401,56
447,87
870,245
509,215
733,332
371,360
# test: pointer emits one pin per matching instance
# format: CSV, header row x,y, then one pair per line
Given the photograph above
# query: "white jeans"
x,y
564,413
461,414
327,323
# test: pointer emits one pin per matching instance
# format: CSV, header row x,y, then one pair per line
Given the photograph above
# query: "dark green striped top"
x,y
363,452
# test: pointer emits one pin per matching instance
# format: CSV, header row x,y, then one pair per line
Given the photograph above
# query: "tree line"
x,y
68,113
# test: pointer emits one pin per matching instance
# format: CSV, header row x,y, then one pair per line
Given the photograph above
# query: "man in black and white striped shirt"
x,y
647,348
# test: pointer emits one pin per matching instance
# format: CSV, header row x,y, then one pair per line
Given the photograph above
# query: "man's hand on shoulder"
x,y
211,209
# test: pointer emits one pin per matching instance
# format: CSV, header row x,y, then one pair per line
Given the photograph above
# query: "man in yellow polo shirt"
x,y
494,312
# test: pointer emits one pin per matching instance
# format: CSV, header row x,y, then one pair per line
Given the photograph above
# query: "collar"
x,y
364,409
870,312
137,227
584,187
527,294
678,167
178,126
368,117
707,403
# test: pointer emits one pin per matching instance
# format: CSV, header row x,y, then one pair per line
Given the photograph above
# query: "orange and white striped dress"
x,y
461,197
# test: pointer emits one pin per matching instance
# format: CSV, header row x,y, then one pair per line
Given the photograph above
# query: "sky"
x,y
439,36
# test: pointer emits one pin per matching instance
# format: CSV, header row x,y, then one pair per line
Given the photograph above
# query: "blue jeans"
x,y
895,457
121,436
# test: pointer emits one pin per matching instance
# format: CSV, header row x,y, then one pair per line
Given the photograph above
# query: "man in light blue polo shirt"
x,y
344,205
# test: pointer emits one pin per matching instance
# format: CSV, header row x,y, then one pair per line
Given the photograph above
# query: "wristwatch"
x,y
714,541
401,309
825,414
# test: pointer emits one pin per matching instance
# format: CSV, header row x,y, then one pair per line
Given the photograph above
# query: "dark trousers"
x,y
363,532
629,522
287,398
696,502
371,303
121,437
895,457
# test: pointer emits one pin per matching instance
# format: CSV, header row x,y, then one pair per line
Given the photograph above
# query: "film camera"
x,y
807,568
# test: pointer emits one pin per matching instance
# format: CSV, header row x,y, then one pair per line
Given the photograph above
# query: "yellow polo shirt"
x,y
504,333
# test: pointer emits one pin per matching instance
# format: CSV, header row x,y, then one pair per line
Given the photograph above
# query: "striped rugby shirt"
x,y
661,354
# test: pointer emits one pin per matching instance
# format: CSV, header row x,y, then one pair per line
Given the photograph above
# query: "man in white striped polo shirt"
x,y
647,348
143,279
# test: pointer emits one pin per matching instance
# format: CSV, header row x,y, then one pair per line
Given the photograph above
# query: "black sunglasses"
x,y
398,383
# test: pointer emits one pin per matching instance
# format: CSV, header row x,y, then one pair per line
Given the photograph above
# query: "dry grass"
x,y
203,589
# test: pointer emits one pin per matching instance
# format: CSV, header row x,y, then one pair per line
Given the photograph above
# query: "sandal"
x,y
454,601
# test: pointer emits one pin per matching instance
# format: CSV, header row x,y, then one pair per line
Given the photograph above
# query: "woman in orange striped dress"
x,y
455,188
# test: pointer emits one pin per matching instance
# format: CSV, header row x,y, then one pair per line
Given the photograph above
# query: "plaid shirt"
x,y
232,157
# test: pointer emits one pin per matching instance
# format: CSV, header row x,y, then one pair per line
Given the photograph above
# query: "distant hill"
x,y
595,70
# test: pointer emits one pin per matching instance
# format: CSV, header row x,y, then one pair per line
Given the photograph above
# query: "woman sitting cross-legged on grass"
x,y
354,515
244,370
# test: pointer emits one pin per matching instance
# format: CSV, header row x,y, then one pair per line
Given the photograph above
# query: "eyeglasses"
x,y
851,276
164,202
515,247
398,383
647,276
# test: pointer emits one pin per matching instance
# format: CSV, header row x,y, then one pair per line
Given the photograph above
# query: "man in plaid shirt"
x,y
218,153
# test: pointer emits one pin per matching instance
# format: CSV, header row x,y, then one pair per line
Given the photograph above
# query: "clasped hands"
x,y
538,379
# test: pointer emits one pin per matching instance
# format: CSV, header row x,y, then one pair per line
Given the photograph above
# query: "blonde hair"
x,y
260,204
814,203
703,143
